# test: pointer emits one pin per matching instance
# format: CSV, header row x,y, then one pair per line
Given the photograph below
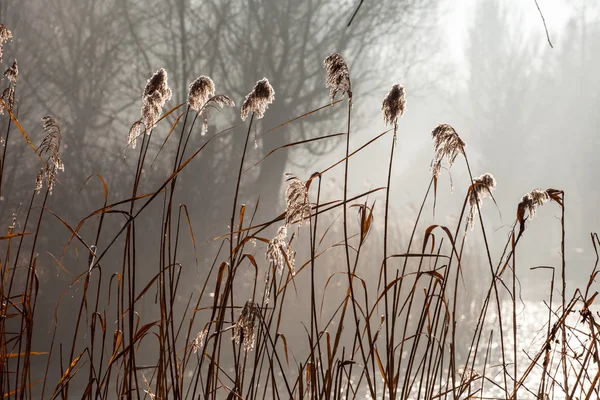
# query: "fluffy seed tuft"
x,y
199,92
338,76
258,100
49,149
446,143
156,94
5,36
8,95
279,251
244,329
393,105
480,189
296,199
530,202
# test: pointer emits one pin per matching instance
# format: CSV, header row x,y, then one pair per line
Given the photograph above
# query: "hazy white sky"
x,y
459,13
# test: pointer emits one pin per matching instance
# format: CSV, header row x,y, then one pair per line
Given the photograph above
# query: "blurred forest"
x,y
529,112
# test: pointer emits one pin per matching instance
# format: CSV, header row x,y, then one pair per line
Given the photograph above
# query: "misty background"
x,y
528,112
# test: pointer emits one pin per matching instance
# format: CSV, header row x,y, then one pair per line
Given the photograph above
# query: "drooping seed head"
x,y
280,252
530,202
446,144
480,189
393,105
338,76
244,330
258,100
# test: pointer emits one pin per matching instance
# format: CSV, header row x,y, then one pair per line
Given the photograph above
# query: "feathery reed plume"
x,y
258,100
49,149
8,95
12,73
296,199
201,93
446,143
481,187
530,202
393,107
244,329
279,251
5,35
156,94
198,342
393,104
338,76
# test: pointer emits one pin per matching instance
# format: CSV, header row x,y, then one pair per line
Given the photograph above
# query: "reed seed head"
x,y
393,105
258,100
201,95
156,94
530,202
338,76
8,95
199,92
280,252
5,36
198,341
12,73
480,189
447,144
244,330
296,199
48,151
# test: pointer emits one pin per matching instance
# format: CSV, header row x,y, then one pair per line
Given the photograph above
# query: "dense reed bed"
x,y
267,321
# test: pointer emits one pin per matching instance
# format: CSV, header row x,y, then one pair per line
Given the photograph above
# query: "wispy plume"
x,y
280,252
258,100
198,341
296,198
5,36
447,144
530,202
338,76
244,330
393,107
8,95
201,94
48,151
156,94
393,104
480,189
